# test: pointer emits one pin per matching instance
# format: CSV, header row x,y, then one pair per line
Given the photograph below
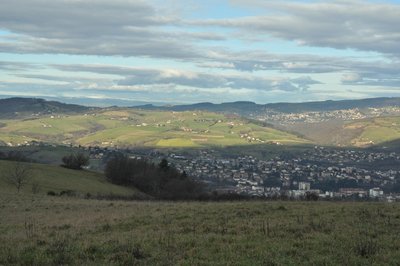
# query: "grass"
x,y
130,127
360,133
57,179
42,230
376,130
176,142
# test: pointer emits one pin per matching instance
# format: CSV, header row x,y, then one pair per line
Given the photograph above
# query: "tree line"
x,y
161,180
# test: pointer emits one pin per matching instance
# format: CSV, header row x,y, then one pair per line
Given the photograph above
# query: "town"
x,y
325,173
280,118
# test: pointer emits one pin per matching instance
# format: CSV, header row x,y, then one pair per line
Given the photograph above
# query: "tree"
x,y
161,181
311,196
19,175
163,165
75,161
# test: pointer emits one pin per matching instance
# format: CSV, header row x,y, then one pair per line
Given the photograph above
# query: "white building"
x,y
375,192
304,186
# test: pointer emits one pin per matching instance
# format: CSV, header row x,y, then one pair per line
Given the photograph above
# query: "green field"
x,y
376,131
55,178
130,127
44,230
359,133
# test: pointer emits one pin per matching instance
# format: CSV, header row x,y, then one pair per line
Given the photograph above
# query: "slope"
x,y
23,107
55,178
133,127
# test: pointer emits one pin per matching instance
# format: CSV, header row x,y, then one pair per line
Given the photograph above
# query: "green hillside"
x,y
360,133
132,127
375,131
56,178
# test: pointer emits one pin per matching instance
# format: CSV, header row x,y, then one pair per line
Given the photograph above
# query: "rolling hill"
x,y
131,127
359,133
23,120
25,107
247,108
375,131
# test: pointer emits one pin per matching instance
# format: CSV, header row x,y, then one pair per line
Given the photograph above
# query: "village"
x,y
275,117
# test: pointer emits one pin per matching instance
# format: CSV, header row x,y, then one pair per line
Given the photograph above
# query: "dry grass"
x,y
43,230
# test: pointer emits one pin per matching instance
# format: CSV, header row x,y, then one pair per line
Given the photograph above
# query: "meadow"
x,y
45,230
51,178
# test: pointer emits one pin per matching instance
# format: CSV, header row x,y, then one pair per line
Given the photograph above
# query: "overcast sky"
x,y
186,51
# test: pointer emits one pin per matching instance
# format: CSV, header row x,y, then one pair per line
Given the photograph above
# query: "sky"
x,y
188,51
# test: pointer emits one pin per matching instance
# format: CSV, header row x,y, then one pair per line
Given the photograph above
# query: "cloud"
x,y
354,24
17,66
351,77
97,27
144,76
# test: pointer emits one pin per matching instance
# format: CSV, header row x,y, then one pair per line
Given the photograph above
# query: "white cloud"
x,y
354,24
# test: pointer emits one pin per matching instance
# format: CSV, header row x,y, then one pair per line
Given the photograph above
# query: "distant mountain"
x,y
248,108
16,107
241,108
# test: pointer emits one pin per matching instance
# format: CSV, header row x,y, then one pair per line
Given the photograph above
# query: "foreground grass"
x,y
43,230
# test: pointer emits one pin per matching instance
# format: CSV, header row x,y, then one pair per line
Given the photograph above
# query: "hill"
x,y
375,131
131,127
360,133
251,108
23,107
57,179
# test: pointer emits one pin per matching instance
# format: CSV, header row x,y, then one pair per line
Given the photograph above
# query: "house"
x,y
375,192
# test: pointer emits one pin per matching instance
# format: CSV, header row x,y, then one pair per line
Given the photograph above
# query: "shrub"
x,y
51,193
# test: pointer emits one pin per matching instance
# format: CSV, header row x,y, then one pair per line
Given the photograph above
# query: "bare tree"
x,y
19,175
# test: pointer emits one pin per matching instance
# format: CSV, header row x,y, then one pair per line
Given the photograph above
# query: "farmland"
x,y
356,133
130,127
376,131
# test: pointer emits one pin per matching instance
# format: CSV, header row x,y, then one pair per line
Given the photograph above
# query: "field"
x,y
44,230
45,178
71,229
130,127
360,133
376,131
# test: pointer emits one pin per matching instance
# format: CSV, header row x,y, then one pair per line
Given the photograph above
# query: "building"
x,y
304,186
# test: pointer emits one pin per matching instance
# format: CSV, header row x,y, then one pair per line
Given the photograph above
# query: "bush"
x,y
51,193
69,193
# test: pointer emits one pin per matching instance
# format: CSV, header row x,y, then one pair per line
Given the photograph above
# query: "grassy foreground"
x,y
43,230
